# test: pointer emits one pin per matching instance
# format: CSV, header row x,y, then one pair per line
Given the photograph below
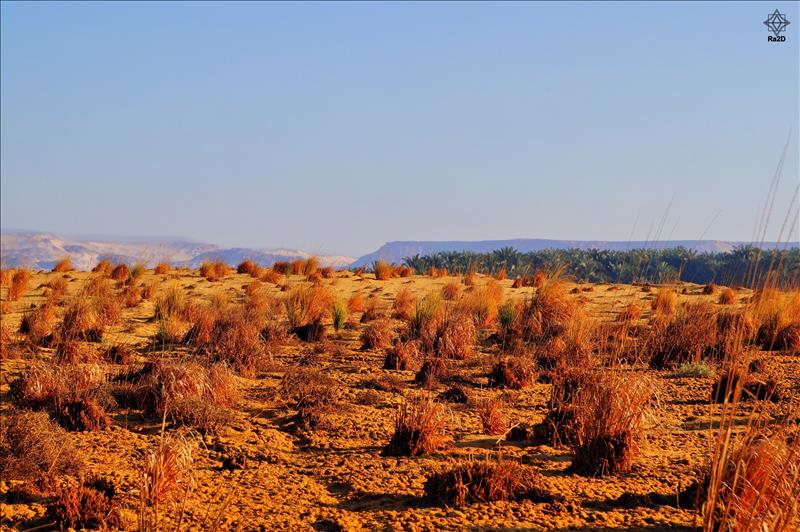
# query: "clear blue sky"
x,y
336,127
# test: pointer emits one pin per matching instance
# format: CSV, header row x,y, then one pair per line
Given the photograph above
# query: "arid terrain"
x,y
260,399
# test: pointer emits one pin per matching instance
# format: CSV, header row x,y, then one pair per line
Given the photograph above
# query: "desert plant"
x,y
356,303
121,272
312,393
685,338
170,303
38,323
64,265
382,270
104,267
484,482
664,302
339,314
418,428
690,369
162,268
307,304
451,291
513,372
377,334
88,505
19,284
402,356
493,420
281,267
33,447
710,289
404,304
249,267
166,468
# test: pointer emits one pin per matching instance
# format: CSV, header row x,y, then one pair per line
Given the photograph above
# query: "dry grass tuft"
x,y
162,268
383,270
37,325
356,303
89,505
685,338
312,393
404,305
710,289
664,302
166,469
19,284
250,268
451,291
609,416
418,428
121,272
377,334
64,265
402,356
271,276
214,271
484,482
493,420
515,373
33,447
104,267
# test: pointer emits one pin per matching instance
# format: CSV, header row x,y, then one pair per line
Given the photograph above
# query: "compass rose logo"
x,y
776,23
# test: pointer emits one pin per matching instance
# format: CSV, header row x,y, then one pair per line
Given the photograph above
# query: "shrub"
x,y
104,267
492,418
166,468
418,429
686,338
310,266
297,267
281,267
431,372
307,304
81,321
162,268
271,276
383,270
609,415
312,393
437,272
170,303
403,271
339,314
83,415
249,267
38,323
482,303
710,289
121,272
448,334
64,265
19,284
451,291
753,484
402,356
373,309
214,271
356,303
484,482
137,271
727,297
377,334
404,305
236,339
513,372
664,302
33,447
86,506
547,313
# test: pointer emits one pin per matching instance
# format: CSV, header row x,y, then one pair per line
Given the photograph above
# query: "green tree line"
x,y
745,265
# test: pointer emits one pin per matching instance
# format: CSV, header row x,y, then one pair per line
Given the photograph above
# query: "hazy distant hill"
x,y
396,251
42,250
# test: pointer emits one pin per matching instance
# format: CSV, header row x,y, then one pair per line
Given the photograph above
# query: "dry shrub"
x,y
402,356
727,297
119,354
355,303
236,339
64,265
89,505
83,321
538,280
431,372
72,395
33,447
493,420
482,303
515,373
310,266
404,304
162,268
484,482
121,272
131,296
187,394
403,271
548,313
104,267
456,394
74,352
687,337
377,334
664,302
312,393
451,291
710,289
170,303
450,335
373,309
632,312
437,272
249,267
383,270
297,267
307,304
166,468
214,271
98,286
281,267
500,275
609,415
788,338
754,486
19,284
735,329
137,272
469,279
271,276
38,323
418,428
326,272
735,383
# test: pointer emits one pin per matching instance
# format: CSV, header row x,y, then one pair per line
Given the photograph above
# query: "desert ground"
x,y
298,439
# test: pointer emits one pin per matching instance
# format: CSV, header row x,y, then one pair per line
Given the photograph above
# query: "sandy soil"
x,y
337,478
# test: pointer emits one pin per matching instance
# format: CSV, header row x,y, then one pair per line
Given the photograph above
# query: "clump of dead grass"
x,y
404,304
418,429
63,265
377,334
19,284
515,372
493,420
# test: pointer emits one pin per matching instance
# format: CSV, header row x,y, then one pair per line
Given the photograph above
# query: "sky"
x,y
334,128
